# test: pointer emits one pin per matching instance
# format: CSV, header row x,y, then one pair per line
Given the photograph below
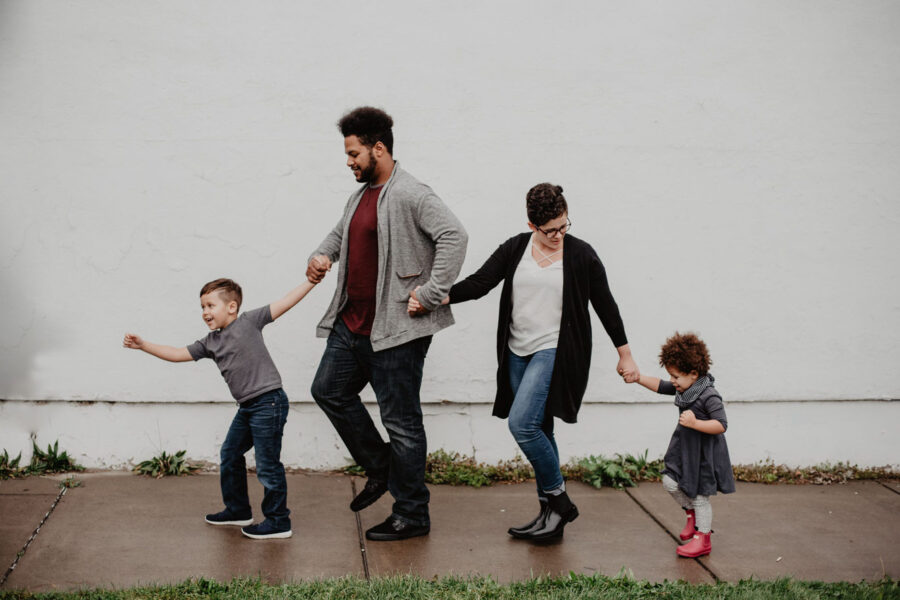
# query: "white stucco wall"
x,y
734,165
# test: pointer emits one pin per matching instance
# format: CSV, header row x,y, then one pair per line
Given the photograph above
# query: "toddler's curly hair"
x,y
685,352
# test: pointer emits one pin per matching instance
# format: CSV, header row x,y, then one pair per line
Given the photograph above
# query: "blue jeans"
x,y
529,377
259,424
395,374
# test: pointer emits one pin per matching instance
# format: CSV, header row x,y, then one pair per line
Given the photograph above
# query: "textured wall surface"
x,y
735,166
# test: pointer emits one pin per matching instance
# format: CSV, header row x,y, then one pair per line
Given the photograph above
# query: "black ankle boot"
x,y
561,512
536,523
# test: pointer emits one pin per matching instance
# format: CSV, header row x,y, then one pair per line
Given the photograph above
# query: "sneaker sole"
x,y
390,537
356,507
269,536
243,523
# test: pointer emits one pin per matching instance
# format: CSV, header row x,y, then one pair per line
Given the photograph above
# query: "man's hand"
x,y
414,307
133,341
317,267
688,419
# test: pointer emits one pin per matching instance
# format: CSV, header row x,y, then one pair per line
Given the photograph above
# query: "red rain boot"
x,y
689,528
699,546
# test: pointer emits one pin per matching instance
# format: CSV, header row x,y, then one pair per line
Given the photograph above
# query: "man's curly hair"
x,y
545,202
685,352
371,125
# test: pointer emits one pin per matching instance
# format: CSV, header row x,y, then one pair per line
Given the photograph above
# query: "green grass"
x,y
572,587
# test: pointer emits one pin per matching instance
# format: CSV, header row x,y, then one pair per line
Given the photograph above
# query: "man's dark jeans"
x,y
349,363
259,423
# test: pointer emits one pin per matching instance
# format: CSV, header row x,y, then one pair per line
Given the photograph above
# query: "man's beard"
x,y
368,174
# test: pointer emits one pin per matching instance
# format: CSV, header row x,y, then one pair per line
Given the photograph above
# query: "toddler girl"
x,y
696,463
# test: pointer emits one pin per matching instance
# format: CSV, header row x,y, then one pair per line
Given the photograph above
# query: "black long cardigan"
x,y
584,279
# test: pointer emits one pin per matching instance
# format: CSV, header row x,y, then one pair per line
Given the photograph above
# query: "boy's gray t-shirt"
x,y
241,355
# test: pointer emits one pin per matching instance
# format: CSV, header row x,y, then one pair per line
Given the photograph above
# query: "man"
x,y
395,235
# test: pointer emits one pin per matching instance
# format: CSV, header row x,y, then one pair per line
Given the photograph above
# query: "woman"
x,y
544,340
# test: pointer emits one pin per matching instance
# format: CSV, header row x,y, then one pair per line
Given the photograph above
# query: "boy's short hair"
x,y
685,352
371,125
227,288
545,202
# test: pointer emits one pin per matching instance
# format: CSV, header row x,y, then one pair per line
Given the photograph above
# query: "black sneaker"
x,y
374,490
226,517
394,529
266,531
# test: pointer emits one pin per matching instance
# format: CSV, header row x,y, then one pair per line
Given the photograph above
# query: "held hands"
x,y
628,369
688,419
133,341
414,307
317,267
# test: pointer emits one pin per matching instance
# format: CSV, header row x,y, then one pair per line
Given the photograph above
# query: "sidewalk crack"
x,y
21,553
883,484
671,535
359,533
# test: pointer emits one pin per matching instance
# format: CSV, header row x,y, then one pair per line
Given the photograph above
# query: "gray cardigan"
x,y
420,242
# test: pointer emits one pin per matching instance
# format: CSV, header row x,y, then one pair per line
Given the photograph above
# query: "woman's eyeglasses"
x,y
556,230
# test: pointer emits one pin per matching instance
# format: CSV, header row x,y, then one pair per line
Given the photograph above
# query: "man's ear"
x,y
379,149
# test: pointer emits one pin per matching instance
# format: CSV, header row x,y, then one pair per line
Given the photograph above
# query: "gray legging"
x,y
700,505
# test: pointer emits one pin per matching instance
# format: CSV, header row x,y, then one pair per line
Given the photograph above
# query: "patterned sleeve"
x,y
260,317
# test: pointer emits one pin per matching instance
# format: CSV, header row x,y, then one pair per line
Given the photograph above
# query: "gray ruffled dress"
x,y
698,461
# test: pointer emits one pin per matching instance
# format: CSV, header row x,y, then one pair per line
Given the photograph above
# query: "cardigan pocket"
x,y
408,280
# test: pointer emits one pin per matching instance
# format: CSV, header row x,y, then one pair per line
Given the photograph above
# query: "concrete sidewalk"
x,y
121,530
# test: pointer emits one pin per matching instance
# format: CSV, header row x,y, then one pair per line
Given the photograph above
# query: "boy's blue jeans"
x,y
347,365
259,424
529,377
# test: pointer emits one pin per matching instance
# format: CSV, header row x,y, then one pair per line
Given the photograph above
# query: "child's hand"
x,y
133,341
317,267
632,377
688,419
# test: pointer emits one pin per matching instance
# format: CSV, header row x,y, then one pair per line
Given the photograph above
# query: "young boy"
x,y
236,344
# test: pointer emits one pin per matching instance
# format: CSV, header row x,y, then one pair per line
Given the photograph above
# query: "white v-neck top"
x,y
536,306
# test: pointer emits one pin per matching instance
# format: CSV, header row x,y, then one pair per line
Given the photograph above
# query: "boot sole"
x,y
573,514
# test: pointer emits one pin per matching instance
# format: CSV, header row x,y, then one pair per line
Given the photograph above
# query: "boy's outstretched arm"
x,y
169,353
279,307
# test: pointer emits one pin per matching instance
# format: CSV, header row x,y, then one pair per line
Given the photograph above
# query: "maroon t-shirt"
x,y
362,264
